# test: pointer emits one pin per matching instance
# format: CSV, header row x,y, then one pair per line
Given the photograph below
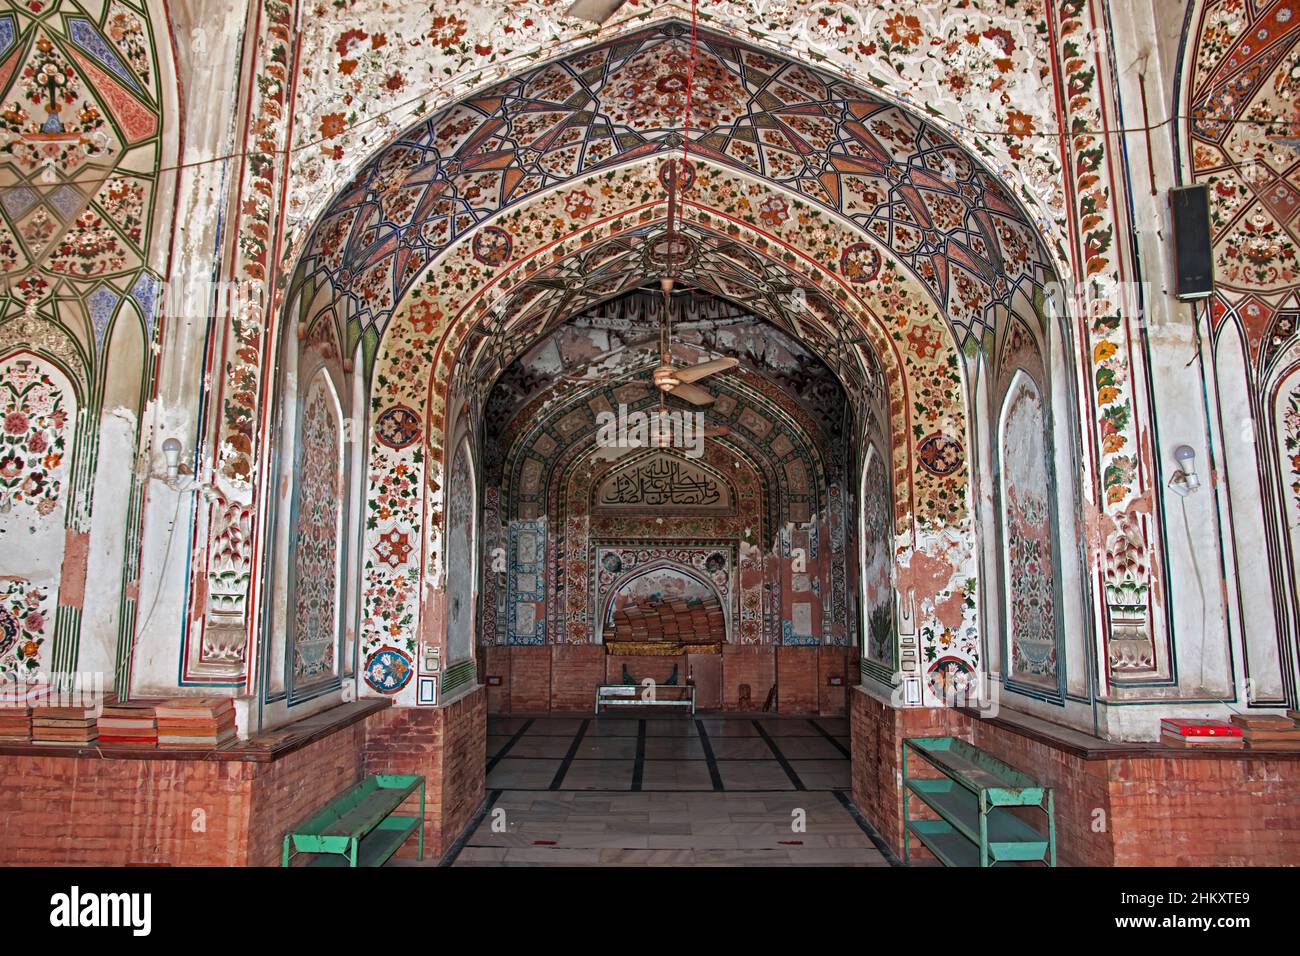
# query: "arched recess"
x,y
39,426
913,348
89,182
1261,600
313,566
1032,651
903,246
1283,484
775,493
712,580
462,554
1235,83
880,656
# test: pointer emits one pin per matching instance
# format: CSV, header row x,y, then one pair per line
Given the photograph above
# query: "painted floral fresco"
x,y
461,516
884,184
35,419
1241,136
318,538
1027,539
25,625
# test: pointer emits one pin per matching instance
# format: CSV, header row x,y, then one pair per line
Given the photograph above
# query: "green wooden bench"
x,y
359,826
975,799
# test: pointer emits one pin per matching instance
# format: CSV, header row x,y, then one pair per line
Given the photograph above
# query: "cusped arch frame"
x,y
915,344
914,348
802,428
660,564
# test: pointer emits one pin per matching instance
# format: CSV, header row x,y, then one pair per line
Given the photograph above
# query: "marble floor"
x,y
711,790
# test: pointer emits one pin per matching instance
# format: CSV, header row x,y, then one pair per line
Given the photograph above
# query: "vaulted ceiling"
x,y
618,341
903,183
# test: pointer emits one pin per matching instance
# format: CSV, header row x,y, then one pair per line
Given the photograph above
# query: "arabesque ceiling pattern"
x,y
80,130
1244,132
903,183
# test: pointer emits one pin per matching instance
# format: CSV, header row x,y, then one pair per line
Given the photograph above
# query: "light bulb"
x,y
1185,455
172,452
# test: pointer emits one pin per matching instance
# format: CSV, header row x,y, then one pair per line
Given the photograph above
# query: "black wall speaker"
x,y
1193,259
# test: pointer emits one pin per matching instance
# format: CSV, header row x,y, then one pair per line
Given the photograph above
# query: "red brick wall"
x,y
563,677
576,669
796,680
878,732
495,663
1177,810
94,811
448,747
110,811
296,786
1079,787
658,669
833,662
741,664
1205,812
530,679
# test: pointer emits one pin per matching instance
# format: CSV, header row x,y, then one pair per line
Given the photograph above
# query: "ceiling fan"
x,y
669,379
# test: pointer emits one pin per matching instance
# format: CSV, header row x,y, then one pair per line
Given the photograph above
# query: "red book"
x,y
1181,727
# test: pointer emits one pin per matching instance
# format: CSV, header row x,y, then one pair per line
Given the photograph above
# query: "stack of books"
x,y
15,723
127,724
696,620
1268,732
1209,734
73,725
195,723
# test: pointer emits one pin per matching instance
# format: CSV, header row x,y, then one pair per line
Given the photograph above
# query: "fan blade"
x,y
597,11
693,373
692,394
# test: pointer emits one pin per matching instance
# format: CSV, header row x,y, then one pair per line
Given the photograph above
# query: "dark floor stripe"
x,y
568,758
780,757
509,743
831,737
890,856
453,851
714,775
638,769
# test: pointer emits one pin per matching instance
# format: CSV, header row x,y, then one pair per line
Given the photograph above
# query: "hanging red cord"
x,y
690,82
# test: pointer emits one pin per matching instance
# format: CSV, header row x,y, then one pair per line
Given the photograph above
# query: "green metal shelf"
x,y
377,846
976,826
360,827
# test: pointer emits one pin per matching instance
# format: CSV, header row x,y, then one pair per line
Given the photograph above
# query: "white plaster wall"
x,y
112,491
209,69
1145,44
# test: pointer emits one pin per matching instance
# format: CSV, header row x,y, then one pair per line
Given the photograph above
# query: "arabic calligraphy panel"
x,y
667,483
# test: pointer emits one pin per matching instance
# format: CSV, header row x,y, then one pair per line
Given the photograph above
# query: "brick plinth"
x,y
106,811
448,747
94,807
1115,806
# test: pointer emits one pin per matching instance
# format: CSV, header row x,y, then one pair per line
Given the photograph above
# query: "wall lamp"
x,y
1185,480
